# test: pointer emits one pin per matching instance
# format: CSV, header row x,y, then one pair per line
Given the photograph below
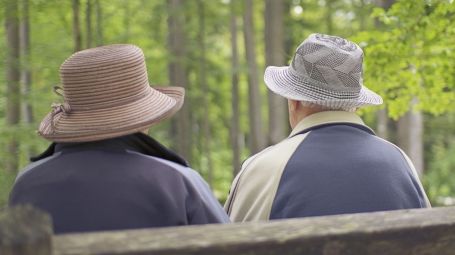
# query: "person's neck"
x,y
304,112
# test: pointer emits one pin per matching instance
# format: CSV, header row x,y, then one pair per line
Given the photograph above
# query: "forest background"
x,y
218,50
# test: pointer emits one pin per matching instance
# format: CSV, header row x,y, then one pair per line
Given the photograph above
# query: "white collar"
x,y
327,117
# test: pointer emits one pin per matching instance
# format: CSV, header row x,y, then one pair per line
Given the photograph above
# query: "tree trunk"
x,y
382,128
88,24
329,16
26,75
12,81
178,75
99,23
382,115
235,118
206,132
126,21
76,27
409,137
289,34
274,55
386,4
361,14
254,95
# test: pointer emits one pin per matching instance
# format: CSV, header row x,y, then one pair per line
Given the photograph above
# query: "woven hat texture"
x,y
325,70
107,94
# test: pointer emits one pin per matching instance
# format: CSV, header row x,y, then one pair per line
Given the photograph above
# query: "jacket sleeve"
x,y
202,206
416,176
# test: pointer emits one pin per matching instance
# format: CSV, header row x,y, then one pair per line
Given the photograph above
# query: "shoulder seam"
x,y
33,165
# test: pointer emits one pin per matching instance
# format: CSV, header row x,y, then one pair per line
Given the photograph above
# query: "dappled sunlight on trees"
x,y
218,50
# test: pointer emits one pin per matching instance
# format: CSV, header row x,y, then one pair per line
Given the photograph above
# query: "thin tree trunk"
x,y
77,37
415,149
178,75
329,16
410,136
290,42
382,118
26,75
274,55
386,4
235,118
126,21
99,23
12,81
289,37
256,135
25,52
207,136
88,23
382,123
361,15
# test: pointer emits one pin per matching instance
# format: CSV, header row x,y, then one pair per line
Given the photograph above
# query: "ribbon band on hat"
x,y
98,106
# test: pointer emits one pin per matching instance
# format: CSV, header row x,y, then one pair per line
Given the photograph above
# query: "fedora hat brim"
x,y
98,124
283,82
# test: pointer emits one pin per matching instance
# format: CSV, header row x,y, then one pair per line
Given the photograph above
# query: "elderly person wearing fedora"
x,y
102,172
331,163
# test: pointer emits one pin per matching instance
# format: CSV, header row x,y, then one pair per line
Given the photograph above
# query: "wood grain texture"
x,y
418,232
25,231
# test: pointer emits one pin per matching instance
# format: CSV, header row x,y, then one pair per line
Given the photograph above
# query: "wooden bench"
x,y
24,230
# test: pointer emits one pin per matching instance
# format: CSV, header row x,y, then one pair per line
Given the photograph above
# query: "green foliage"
x,y
439,182
412,56
6,183
440,148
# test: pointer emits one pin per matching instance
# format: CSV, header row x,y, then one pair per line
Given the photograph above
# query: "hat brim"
x,y
283,82
99,124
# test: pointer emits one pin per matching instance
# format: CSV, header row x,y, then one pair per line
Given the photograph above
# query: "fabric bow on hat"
x,y
107,94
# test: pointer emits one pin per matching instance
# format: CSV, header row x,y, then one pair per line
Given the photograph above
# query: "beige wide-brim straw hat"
x,y
107,94
327,71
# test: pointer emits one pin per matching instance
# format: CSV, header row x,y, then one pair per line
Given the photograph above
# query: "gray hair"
x,y
327,108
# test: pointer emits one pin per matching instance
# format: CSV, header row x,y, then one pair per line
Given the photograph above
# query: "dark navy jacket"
x,y
122,183
331,164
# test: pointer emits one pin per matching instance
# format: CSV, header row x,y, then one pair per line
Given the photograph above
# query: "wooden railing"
x,y
25,231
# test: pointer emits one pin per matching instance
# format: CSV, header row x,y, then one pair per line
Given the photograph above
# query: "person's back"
x,y
345,168
120,183
331,163
101,172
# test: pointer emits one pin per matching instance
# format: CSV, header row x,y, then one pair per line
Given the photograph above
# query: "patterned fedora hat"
x,y
106,94
326,70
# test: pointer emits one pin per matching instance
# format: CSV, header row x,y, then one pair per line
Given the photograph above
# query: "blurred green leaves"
x,y
411,54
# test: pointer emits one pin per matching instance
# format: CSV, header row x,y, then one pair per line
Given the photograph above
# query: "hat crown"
x,y
329,63
104,76
107,95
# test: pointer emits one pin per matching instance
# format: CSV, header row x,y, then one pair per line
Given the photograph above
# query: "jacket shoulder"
x,y
255,186
202,204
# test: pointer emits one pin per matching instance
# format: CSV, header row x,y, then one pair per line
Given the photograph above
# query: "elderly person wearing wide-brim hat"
x,y
331,163
101,171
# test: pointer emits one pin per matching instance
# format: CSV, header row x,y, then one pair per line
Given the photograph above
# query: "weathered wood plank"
x,y
418,232
25,231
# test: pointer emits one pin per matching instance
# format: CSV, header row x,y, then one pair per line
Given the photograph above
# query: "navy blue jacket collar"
x,y
137,142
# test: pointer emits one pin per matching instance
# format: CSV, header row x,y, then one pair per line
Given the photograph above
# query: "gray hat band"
x,y
318,92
